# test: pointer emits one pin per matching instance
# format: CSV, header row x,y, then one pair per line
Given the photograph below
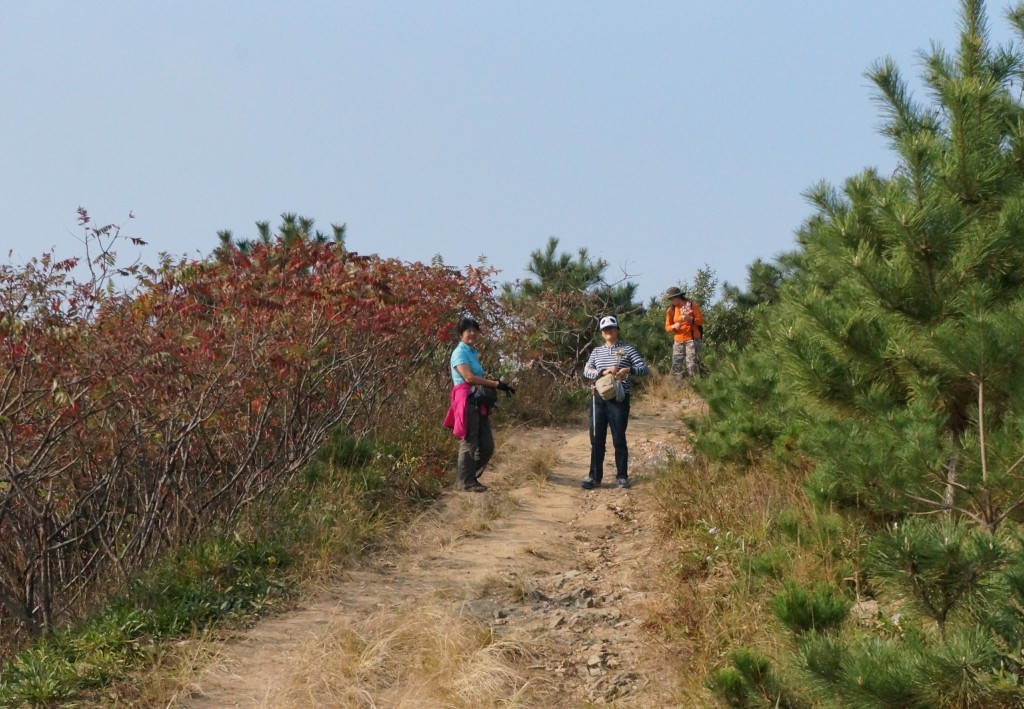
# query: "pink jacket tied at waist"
x,y
455,419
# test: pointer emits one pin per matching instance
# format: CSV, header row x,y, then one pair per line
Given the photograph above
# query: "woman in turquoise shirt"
x,y
477,446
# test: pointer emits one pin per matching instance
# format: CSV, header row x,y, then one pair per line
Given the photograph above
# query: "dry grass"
x,y
170,680
717,521
539,464
474,515
662,389
458,516
414,656
660,392
659,387
514,585
543,399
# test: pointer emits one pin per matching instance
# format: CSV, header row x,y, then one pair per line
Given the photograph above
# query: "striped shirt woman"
x,y
622,360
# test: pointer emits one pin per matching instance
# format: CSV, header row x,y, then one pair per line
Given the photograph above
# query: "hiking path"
x,y
563,582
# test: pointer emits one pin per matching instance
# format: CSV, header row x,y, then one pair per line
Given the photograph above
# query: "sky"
x,y
661,136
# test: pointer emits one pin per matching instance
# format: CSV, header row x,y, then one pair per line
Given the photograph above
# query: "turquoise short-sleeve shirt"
x,y
464,354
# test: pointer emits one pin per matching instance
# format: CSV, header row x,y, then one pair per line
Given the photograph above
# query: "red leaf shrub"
x,y
132,422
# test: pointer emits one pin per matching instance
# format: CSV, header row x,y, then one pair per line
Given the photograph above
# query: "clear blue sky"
x,y
662,136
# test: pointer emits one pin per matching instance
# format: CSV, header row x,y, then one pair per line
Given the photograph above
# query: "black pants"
x,y
605,414
476,448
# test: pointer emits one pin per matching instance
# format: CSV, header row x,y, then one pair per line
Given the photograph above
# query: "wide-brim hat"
x,y
674,292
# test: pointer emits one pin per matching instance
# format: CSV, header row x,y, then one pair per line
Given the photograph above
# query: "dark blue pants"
x,y
605,414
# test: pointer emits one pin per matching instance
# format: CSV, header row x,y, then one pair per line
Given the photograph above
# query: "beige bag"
x,y
607,386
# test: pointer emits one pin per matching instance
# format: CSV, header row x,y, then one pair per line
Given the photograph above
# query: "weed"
x,y
773,564
520,588
39,676
480,512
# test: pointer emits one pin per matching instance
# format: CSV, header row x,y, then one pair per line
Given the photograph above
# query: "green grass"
x,y
201,585
737,534
347,499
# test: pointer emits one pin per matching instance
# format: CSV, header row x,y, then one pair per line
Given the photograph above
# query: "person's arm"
x,y
670,324
590,369
473,380
637,365
698,318
466,372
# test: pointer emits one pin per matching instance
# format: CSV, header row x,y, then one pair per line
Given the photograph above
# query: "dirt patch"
x,y
535,593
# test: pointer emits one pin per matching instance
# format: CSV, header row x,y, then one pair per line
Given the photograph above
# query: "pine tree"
x,y
294,229
753,411
900,329
893,353
560,305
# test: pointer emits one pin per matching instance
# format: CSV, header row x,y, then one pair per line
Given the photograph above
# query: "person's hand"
x,y
676,325
503,386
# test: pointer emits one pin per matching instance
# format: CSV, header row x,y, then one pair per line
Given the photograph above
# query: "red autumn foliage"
x,y
130,422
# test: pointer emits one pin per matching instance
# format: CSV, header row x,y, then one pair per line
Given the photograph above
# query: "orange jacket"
x,y
681,315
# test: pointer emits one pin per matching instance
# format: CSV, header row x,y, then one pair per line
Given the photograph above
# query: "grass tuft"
x,y
412,656
539,465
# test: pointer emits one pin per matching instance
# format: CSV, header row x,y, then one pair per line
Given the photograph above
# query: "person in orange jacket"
x,y
684,320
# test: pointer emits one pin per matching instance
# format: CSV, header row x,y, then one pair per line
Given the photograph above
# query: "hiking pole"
x,y
593,413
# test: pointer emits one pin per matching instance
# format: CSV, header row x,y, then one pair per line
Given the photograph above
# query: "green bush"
x,y
771,564
750,683
818,610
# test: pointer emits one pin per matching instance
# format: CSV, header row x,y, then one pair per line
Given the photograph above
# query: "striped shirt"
x,y
619,355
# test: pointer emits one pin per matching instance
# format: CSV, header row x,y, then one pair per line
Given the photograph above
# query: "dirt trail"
x,y
571,570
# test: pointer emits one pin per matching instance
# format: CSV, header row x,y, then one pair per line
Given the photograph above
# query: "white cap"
x,y
608,321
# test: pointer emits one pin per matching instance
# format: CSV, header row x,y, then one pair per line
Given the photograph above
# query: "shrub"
x,y
818,610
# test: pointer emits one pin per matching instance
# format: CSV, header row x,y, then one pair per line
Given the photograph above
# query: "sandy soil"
x,y
573,571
